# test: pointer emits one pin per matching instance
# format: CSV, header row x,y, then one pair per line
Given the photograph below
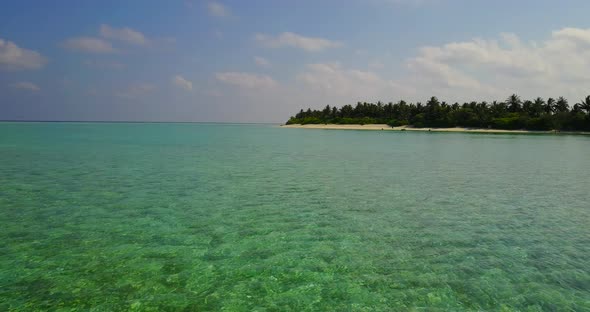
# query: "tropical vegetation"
x,y
511,114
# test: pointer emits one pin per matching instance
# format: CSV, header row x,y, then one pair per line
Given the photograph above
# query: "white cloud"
x,y
179,81
478,69
25,85
218,9
333,80
13,57
577,35
246,80
514,58
315,86
109,35
289,39
124,34
261,61
440,73
89,44
493,68
136,91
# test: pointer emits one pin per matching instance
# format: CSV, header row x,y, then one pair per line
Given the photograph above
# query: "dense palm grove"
x,y
538,114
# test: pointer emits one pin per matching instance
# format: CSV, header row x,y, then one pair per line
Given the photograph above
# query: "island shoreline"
x,y
384,127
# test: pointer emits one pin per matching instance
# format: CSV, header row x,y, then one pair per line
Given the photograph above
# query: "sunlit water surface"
x,y
196,217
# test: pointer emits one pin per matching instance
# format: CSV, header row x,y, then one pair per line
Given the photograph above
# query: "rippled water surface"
x,y
197,217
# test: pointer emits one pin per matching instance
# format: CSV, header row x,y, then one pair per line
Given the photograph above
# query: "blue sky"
x,y
261,61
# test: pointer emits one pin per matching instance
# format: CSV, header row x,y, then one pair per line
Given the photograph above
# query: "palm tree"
x,y
433,102
527,107
499,108
513,103
538,106
550,106
585,104
561,105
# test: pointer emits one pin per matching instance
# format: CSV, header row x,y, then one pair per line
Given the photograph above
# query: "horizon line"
x,y
136,121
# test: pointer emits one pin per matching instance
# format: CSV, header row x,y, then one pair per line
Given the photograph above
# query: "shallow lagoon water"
x,y
205,217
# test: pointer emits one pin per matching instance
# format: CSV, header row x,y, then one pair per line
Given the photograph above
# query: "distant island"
x,y
511,114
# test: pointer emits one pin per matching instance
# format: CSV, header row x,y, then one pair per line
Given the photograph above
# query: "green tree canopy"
x,y
514,113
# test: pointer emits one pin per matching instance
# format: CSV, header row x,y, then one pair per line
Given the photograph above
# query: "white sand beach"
x,y
384,127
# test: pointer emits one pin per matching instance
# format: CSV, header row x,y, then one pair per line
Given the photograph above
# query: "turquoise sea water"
x,y
210,217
